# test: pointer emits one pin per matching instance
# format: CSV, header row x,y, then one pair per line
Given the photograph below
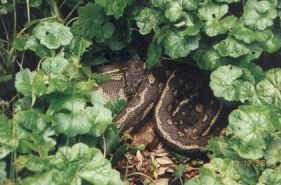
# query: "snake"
x,y
184,110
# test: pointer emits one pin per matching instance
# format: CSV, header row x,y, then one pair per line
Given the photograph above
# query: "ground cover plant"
x,y
54,129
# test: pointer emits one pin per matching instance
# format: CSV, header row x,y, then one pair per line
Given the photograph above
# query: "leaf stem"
x,y
54,9
28,10
15,19
72,11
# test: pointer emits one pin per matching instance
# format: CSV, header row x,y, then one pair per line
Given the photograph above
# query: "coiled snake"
x,y
184,108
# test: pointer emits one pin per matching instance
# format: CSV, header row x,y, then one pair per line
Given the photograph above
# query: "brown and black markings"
x,y
184,107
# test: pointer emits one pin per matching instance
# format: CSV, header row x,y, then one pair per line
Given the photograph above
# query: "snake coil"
x,y
184,107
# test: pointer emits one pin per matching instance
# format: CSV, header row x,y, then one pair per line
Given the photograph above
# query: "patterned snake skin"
x,y
184,109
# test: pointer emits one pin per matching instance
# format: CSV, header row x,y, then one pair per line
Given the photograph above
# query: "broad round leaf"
x,y
272,154
230,47
53,34
54,65
270,176
250,127
237,85
268,89
259,15
147,20
178,46
24,81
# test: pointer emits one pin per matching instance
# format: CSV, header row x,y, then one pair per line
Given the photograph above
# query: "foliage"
x,y
224,171
71,165
48,49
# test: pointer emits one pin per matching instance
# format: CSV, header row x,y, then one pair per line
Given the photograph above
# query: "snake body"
x,y
184,108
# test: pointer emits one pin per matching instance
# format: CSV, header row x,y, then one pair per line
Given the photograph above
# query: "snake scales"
x,y
184,110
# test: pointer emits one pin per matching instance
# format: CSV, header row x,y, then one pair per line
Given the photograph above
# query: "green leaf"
x,y
38,142
115,44
250,127
241,32
80,119
53,34
72,124
116,106
32,120
158,3
177,46
35,3
114,7
72,165
212,11
36,47
224,172
59,83
220,147
259,15
272,44
217,27
230,171
85,87
92,22
111,139
210,180
209,59
69,103
174,11
255,69
147,20
9,141
191,24
231,47
23,103
79,45
37,135
19,43
27,85
102,117
54,65
24,81
227,1
98,98
272,154
154,53
270,176
76,120
39,85
6,78
3,173
180,169
237,85
255,52
108,30
42,179
190,4
268,89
